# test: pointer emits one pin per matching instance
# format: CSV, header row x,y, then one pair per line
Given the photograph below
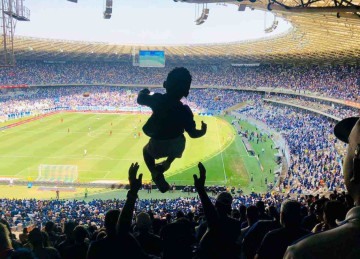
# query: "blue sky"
x,y
143,22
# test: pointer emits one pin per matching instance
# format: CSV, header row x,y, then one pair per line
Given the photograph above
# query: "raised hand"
x,y
145,91
200,182
203,126
135,183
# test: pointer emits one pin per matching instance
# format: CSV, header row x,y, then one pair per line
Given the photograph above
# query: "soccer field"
x,y
112,143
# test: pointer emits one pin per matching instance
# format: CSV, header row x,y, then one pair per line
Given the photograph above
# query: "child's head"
x,y
178,82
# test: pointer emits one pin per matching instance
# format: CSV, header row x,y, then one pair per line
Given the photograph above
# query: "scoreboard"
x,y
151,58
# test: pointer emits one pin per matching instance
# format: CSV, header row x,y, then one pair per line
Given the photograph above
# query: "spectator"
x,y
69,238
22,253
252,216
333,210
5,243
276,241
274,214
178,240
41,252
310,221
255,234
261,207
14,243
242,210
150,243
79,249
220,239
319,213
24,236
107,246
50,230
129,247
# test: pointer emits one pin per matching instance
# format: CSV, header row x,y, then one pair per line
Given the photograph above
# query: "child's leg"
x,y
150,162
165,165
157,176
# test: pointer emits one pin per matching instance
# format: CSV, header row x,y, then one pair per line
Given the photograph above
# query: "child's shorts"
x,y
166,148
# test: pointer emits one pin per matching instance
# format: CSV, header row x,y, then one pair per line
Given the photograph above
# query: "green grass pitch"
x,y
47,141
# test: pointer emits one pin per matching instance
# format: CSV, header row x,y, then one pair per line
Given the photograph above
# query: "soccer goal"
x,y
58,173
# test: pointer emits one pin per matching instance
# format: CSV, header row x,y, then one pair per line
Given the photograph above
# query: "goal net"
x,y
58,173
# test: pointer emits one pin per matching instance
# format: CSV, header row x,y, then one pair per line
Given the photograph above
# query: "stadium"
x,y
71,126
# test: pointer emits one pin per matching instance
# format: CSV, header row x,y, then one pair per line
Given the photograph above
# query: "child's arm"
x,y
194,133
190,125
144,97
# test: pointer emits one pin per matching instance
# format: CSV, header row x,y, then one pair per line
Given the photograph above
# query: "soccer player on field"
x,y
167,124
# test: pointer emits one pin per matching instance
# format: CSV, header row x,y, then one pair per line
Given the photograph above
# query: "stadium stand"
x,y
333,81
317,193
314,169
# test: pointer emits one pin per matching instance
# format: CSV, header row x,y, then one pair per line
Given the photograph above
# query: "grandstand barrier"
x,y
304,108
13,86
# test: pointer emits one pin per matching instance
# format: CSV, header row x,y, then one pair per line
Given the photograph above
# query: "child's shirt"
x,y
170,117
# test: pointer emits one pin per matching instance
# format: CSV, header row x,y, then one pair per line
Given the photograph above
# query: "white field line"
x,y
207,159
222,158
98,132
88,157
106,175
19,173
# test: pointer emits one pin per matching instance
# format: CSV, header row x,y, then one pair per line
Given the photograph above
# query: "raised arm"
x,y
209,208
194,133
144,97
124,223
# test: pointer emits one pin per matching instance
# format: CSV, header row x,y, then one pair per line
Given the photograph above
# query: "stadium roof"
x,y
323,31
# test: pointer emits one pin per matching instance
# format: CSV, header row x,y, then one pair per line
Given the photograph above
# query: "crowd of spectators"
x,y
27,212
243,226
341,82
315,162
15,101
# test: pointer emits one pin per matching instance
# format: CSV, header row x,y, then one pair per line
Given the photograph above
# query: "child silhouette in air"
x,y
167,124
